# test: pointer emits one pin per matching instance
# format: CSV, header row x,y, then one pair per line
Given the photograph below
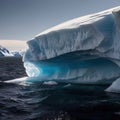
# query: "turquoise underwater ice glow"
x,y
76,71
83,50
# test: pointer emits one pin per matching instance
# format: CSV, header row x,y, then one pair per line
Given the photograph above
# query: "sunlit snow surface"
x,y
83,50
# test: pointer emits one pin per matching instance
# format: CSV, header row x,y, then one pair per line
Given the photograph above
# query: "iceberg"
x,y
82,50
115,87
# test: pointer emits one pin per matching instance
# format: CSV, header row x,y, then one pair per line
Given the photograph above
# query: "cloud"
x,y
14,44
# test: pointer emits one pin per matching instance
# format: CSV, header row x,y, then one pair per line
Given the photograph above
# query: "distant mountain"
x,y
4,52
18,53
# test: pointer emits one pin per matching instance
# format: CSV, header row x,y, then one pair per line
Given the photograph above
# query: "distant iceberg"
x,y
82,50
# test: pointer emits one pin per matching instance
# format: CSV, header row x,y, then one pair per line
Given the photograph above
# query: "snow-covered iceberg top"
x,y
82,50
98,32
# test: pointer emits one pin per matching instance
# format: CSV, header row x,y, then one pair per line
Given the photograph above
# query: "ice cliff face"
x,y
83,50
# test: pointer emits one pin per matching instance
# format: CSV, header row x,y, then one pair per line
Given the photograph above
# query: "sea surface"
x,y
50,100
61,101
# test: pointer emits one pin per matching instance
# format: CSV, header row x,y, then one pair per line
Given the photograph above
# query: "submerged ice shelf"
x,y
83,50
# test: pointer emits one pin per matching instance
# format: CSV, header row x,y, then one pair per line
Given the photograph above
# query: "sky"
x,y
14,45
23,19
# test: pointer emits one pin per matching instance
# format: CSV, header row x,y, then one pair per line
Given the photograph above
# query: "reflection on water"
x,y
62,101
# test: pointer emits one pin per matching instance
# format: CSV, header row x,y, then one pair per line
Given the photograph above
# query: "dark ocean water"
x,y
38,101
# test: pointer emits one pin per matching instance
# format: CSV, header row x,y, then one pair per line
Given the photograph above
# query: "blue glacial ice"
x,y
82,50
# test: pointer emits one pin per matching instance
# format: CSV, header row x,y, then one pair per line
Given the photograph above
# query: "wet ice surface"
x,y
60,101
